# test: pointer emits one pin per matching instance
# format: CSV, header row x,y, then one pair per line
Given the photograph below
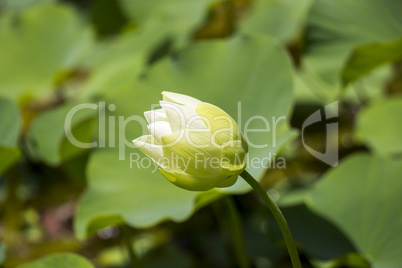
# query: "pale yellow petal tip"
x,y
167,95
140,141
138,144
179,98
136,141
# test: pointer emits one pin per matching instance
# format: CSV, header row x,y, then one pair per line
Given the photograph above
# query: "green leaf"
x,y
368,57
17,5
361,197
318,237
249,69
53,47
335,28
114,64
60,260
380,126
10,123
2,252
140,196
47,136
281,19
9,134
369,87
349,260
293,197
118,62
175,19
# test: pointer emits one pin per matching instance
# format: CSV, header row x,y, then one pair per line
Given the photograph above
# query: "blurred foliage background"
x,y
63,206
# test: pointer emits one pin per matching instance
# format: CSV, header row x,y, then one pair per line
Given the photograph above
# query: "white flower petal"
x,y
182,117
155,115
149,148
180,98
159,129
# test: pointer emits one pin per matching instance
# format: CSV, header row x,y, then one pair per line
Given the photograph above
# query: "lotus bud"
x,y
197,145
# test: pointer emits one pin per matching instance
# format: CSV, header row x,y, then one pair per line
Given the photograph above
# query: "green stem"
x,y
280,219
127,236
237,234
